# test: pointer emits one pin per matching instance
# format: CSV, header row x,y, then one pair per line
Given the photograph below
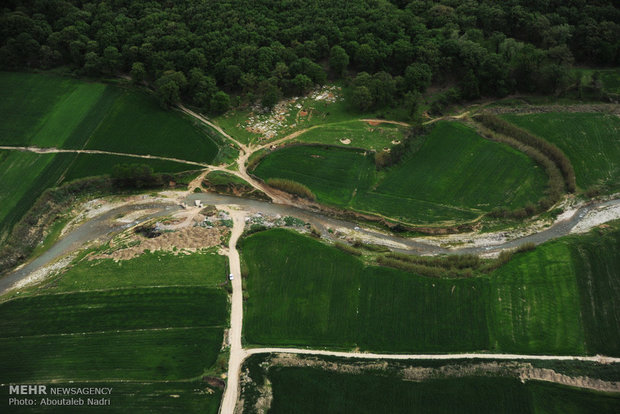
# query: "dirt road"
x,y
237,354
369,355
53,150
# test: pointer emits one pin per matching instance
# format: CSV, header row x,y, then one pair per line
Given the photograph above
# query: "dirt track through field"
x,y
237,355
53,150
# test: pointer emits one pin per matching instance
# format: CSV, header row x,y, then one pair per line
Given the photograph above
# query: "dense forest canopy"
x,y
204,51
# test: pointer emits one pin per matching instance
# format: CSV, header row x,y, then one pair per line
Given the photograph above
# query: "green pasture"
x,y
454,175
138,397
361,134
597,264
534,303
305,293
166,354
326,297
50,111
150,308
88,165
380,389
206,268
590,140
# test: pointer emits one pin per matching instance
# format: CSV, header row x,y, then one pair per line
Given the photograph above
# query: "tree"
x,y
111,59
338,61
169,87
220,102
302,84
469,86
362,98
271,96
138,72
418,77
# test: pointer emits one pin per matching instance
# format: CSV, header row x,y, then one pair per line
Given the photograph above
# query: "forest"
x,y
218,54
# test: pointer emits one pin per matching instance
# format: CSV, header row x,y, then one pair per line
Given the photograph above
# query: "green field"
x,y
207,269
315,390
156,317
168,354
138,397
151,308
454,175
590,140
361,135
541,302
45,110
50,111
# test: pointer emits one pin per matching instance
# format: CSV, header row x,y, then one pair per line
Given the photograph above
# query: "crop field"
x,y
356,134
597,264
534,304
454,175
207,269
167,354
49,111
142,397
335,301
590,140
88,165
311,389
152,308
120,333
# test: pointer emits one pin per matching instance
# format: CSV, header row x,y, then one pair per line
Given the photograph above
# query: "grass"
x,y
455,175
338,390
561,298
169,354
141,397
150,269
361,135
338,302
314,391
590,140
534,303
88,165
51,111
597,264
151,308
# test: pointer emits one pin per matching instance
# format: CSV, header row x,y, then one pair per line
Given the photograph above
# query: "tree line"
x,y
214,54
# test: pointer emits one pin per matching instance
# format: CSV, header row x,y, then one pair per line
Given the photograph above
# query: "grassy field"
x,y
534,303
206,269
542,302
134,324
50,111
168,354
360,134
590,140
152,308
311,389
337,302
470,176
597,264
139,397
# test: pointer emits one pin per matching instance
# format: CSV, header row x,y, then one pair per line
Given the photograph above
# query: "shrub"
x,y
292,187
347,249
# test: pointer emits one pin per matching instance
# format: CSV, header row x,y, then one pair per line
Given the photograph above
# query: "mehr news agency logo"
x,y
43,395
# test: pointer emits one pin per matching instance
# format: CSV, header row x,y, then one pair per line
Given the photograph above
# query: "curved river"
x,y
105,226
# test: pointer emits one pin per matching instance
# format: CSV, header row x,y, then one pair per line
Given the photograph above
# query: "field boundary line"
x,y
368,355
53,150
170,328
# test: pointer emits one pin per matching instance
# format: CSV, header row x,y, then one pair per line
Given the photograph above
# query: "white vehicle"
x,y
230,276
